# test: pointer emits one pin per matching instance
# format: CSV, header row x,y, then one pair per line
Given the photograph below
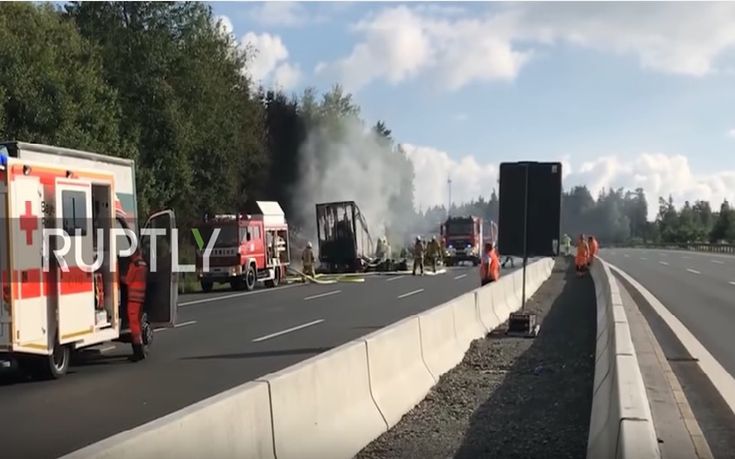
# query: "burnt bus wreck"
x,y
345,244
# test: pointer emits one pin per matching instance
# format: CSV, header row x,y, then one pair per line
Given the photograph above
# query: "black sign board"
x,y
530,209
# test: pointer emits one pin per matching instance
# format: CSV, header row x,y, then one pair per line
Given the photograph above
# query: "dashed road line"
x,y
664,263
718,262
460,276
394,278
732,282
410,293
321,295
107,349
182,324
234,295
693,271
288,330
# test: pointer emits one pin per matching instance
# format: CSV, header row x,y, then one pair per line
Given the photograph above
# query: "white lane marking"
x,y
394,278
732,282
182,324
460,276
664,263
693,271
321,295
644,258
234,295
288,330
721,379
107,349
410,293
718,262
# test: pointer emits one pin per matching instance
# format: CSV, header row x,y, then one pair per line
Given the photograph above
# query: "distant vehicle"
x,y
45,315
462,240
343,237
250,248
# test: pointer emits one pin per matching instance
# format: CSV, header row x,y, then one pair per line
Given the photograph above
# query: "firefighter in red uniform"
x,y
135,279
490,266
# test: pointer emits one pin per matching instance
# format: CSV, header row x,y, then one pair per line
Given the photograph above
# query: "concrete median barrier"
x,y
235,423
467,323
332,405
323,407
399,378
621,424
441,349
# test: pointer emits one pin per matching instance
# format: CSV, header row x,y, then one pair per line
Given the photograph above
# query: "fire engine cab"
x,y
55,301
247,249
462,240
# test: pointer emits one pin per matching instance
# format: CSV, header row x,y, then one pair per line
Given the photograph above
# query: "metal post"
x,y
449,207
525,239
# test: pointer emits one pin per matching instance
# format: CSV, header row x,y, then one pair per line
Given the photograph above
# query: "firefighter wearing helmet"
x,y
418,255
433,252
307,258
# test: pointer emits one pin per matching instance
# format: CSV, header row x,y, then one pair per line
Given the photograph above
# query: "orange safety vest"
x,y
136,280
583,253
490,266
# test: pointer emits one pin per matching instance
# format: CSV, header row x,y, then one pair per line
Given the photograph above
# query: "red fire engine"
x,y
249,248
462,240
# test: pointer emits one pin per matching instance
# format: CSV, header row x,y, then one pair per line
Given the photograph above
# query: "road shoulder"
x,y
676,427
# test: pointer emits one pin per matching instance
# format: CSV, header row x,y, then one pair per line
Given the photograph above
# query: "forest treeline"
x,y
619,216
165,85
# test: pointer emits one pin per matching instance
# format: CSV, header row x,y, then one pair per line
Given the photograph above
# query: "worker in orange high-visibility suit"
x,y
490,266
594,248
583,255
135,279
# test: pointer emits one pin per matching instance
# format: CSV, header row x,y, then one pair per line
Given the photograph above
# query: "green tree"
x,y
52,88
724,227
185,101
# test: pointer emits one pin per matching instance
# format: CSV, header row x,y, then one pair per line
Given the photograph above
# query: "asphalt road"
x,y
698,288
223,339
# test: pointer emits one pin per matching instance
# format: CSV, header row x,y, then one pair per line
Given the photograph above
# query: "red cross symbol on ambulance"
x,y
28,223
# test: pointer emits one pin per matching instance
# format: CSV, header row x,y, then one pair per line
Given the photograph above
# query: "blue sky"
x,y
625,94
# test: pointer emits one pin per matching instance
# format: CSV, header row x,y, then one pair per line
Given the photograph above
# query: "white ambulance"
x,y
47,310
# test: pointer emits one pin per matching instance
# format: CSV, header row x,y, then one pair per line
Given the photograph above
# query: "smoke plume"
x,y
341,160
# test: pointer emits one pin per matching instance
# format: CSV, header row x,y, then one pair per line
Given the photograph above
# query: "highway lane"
x,y
698,288
219,344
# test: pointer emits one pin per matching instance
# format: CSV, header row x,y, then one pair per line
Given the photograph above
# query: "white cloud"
x,y
400,43
731,133
268,63
285,14
660,175
433,168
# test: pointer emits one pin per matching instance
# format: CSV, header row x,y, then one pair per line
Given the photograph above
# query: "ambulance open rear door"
x,y
162,286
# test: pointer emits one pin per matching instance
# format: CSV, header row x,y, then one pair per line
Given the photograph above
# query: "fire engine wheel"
x,y
276,279
251,277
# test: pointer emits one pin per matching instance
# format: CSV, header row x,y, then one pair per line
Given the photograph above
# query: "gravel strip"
x,y
512,397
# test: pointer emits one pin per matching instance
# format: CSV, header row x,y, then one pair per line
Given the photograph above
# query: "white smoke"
x,y
346,162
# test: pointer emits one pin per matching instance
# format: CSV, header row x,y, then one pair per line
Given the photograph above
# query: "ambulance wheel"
x,y
146,330
56,365
207,286
251,277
